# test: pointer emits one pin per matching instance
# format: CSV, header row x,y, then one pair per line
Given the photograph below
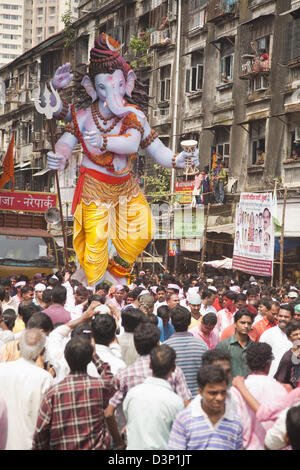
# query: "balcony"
x,y
253,66
221,10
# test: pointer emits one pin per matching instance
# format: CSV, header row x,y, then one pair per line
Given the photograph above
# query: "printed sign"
x,y
25,201
253,251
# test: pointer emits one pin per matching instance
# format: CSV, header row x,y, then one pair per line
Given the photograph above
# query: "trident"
x,y
48,110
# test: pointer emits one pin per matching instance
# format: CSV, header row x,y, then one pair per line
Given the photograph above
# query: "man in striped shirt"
x,y
189,350
208,423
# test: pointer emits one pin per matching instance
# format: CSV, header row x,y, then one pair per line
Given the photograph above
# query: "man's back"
x,y
22,385
265,389
189,352
58,313
279,343
71,416
150,409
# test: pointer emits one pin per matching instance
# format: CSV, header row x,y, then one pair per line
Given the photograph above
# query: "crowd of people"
x,y
164,363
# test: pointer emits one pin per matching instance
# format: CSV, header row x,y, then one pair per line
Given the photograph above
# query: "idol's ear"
x,y
89,87
131,77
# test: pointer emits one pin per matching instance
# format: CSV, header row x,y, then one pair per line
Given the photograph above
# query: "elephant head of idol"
x,y
110,78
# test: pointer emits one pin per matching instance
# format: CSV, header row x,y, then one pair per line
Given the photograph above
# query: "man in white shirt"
x,y
207,299
151,407
22,386
277,338
161,294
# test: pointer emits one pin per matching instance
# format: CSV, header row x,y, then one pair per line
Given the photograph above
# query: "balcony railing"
x,y
220,9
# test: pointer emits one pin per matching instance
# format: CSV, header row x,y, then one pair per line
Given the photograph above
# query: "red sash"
x,y
99,177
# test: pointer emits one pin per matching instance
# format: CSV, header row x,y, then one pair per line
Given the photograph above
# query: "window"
x,y
257,142
194,75
165,83
51,29
226,61
222,146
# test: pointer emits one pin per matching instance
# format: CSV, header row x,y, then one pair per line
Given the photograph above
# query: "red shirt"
x,y
263,325
229,331
217,304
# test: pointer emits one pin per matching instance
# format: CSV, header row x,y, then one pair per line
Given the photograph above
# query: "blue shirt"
x,y
189,352
168,331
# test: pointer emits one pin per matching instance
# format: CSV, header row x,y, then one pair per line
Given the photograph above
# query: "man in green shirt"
x,y
237,344
218,178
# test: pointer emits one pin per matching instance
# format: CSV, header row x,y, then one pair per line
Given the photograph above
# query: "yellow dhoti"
x,y
120,214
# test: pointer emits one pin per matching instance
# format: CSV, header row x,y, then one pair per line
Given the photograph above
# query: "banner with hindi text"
x,y
26,201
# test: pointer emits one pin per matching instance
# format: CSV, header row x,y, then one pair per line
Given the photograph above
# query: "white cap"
x,y
20,284
40,286
292,295
235,289
213,288
102,309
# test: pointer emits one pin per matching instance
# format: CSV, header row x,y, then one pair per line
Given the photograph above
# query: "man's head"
x,y
208,297
241,301
146,303
9,318
42,321
102,289
26,309
259,357
266,218
32,343
208,323
27,293
131,318
297,312
181,318
164,313
243,321
229,300
81,295
78,353
104,329
162,361
194,301
252,295
161,294
292,330
172,300
119,293
219,358
146,336
292,436
47,297
38,291
212,382
59,295
285,315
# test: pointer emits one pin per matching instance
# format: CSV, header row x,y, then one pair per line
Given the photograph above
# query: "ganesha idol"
x,y
112,219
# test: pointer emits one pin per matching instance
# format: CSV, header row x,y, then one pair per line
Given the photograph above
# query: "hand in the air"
x,y
182,156
62,77
56,161
93,138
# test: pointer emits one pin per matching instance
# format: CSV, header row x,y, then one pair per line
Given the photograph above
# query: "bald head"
x,y
32,343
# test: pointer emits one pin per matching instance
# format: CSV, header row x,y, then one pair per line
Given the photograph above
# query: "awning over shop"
x,y
42,172
226,228
220,264
292,218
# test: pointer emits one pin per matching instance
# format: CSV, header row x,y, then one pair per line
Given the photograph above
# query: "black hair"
x,y
102,286
40,320
47,296
131,317
78,353
26,309
135,292
241,296
84,329
103,329
212,355
230,295
288,307
150,318
293,427
59,295
164,311
162,360
212,374
207,293
2,293
291,327
9,318
209,319
146,337
258,355
26,289
181,318
161,288
266,302
242,312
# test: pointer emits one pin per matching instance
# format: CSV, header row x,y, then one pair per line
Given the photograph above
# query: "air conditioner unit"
x,y
297,135
161,112
260,83
37,136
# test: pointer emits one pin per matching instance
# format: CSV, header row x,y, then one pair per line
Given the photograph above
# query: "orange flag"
x,y
8,165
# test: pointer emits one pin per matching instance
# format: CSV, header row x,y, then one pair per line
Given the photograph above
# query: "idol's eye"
x,y
121,84
101,86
